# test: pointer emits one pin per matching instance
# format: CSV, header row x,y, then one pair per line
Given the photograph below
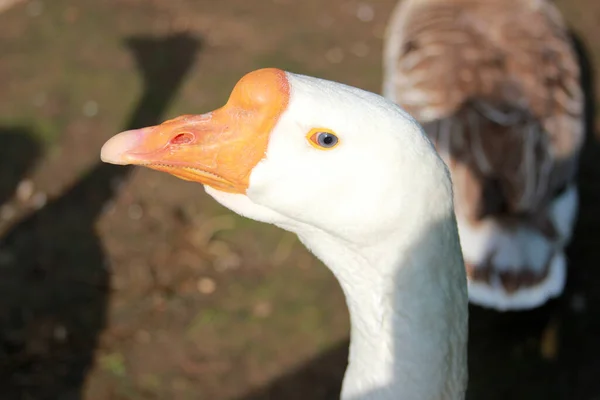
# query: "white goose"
x,y
495,84
357,180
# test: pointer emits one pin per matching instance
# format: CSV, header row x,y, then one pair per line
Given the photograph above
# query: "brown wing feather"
x,y
496,85
498,168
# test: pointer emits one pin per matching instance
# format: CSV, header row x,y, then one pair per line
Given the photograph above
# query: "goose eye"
x,y
324,140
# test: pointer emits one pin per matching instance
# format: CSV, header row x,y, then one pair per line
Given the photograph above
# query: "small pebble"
x,y
360,49
25,190
7,212
218,248
60,333
262,309
39,200
227,263
549,341
109,207
90,109
135,212
365,12
207,286
335,55
224,258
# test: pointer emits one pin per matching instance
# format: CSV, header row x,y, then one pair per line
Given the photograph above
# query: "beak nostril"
x,y
182,138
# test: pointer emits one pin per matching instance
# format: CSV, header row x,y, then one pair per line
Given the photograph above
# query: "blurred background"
x,y
120,283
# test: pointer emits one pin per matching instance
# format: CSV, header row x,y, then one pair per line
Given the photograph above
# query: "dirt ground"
x,y
120,283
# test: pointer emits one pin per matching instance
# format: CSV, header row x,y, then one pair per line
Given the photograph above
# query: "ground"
x,y
120,283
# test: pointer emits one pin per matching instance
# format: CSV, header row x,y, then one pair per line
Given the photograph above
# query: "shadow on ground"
x,y
18,154
549,353
54,276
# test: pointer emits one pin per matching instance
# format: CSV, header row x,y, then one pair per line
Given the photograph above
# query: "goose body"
x,y
495,84
355,177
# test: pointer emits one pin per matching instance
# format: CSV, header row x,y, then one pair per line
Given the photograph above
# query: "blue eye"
x,y
326,139
322,138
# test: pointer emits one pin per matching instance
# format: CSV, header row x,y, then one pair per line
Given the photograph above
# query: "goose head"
x,y
301,153
355,177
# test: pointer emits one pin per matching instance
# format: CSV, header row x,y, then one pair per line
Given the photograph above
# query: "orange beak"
x,y
218,149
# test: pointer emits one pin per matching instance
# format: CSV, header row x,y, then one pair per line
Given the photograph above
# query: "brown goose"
x,y
495,83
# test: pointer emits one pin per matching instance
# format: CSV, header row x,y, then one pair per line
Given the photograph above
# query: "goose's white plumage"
x,y
495,84
376,208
